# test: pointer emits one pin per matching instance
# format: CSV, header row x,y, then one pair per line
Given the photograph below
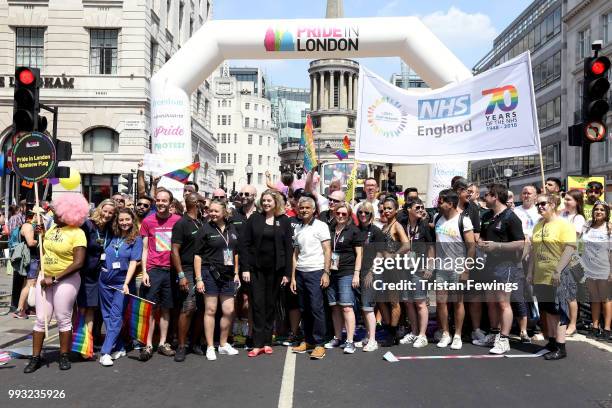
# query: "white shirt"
x,y
596,256
308,238
449,243
529,218
576,219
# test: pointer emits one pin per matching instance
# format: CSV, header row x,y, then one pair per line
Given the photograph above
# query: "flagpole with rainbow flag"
x,y
307,141
182,175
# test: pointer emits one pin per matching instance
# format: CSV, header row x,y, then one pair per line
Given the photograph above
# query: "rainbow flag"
x,y
350,184
342,154
82,338
307,141
182,175
136,318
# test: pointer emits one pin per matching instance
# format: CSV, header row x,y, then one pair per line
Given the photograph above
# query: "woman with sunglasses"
x,y
347,251
267,246
396,242
573,213
373,241
554,242
597,262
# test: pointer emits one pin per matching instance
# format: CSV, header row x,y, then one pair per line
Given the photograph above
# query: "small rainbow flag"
x,y
137,315
342,154
182,175
307,141
350,184
82,339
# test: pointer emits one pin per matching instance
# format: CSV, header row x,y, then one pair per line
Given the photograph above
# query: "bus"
x,y
341,170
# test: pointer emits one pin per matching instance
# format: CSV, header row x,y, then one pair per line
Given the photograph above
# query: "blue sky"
x,y
467,27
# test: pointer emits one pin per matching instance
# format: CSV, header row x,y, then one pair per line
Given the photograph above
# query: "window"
x,y
246,122
250,139
259,178
260,140
180,26
235,138
235,157
250,159
606,27
268,161
247,105
168,12
218,120
190,27
255,122
198,102
223,119
269,140
218,103
103,52
260,160
583,44
223,156
30,47
255,107
152,56
223,138
101,140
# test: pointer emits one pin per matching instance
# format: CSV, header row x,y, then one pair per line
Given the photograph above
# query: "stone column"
x,y
321,95
314,96
355,93
312,107
343,96
350,92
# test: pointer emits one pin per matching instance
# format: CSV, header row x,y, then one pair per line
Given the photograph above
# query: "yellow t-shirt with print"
x,y
549,241
59,244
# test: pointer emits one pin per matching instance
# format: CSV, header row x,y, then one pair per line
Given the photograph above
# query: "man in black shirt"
x,y
184,234
328,216
502,240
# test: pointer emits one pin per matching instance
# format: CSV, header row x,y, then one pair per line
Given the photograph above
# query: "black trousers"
x,y
265,287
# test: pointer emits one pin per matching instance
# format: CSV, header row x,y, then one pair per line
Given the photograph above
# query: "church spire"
x,y
335,9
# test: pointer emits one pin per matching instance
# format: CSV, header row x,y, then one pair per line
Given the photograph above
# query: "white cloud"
x,y
468,35
389,9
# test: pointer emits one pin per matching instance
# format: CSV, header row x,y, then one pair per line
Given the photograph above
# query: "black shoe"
x,y
64,361
606,335
555,355
34,364
599,334
248,343
145,353
179,356
197,349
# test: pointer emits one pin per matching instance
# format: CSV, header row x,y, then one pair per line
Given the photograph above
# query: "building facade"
x,y
96,59
585,22
289,109
242,125
539,30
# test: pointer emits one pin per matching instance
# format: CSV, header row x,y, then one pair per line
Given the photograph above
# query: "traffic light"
x,y
26,101
391,182
594,98
63,152
125,183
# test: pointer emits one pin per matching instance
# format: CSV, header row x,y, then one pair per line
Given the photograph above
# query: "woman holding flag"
x,y
122,256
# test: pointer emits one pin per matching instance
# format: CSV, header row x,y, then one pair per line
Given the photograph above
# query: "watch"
x,y
181,275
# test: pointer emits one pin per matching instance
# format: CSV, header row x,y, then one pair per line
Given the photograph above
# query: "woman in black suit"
x,y
268,248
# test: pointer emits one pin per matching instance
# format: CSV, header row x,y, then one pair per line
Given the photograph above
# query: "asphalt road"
x,y
360,380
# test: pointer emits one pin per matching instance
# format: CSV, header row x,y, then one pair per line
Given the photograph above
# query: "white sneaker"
x,y
228,350
445,340
361,343
118,354
478,335
106,360
538,337
488,341
502,345
457,343
420,342
210,354
408,339
438,335
333,343
371,346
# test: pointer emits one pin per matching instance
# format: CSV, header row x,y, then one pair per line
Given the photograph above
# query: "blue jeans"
x,y
312,306
340,291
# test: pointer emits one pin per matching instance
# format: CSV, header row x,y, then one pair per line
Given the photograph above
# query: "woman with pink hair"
x,y
64,253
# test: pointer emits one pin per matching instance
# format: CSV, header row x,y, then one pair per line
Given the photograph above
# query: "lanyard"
x,y
100,239
222,236
117,245
336,237
412,232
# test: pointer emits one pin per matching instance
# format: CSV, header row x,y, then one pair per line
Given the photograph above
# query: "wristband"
x,y
181,275
326,272
198,279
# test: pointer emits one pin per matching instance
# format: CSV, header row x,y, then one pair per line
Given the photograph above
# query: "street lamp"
x,y
249,172
508,176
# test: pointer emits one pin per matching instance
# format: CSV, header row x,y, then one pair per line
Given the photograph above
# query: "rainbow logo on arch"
x,y
498,98
278,40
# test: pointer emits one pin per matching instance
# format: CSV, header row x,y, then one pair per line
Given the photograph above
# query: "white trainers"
x,y
488,341
228,350
502,345
210,354
420,342
118,354
106,360
438,335
361,343
457,343
445,340
333,343
371,346
478,335
408,339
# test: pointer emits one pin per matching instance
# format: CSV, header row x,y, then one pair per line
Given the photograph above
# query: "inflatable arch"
x,y
216,41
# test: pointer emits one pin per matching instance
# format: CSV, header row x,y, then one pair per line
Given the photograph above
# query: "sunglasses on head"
x,y
145,205
246,194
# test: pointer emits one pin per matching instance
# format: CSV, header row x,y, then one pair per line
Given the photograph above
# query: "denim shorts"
x,y
340,291
217,287
33,268
446,276
368,297
420,289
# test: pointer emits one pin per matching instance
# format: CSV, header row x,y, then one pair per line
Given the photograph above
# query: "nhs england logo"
x,y
444,107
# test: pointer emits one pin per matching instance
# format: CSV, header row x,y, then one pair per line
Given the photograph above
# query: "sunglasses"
x,y
418,207
145,205
341,214
542,204
244,194
121,200
594,190
218,197
333,201
365,213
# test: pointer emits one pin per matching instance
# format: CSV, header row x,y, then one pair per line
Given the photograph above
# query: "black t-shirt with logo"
x,y
185,233
212,243
420,236
344,245
373,241
503,227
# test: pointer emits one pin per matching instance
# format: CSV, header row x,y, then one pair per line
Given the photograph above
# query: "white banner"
x,y
440,176
491,115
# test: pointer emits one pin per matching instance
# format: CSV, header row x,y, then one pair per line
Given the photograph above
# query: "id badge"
x,y
116,265
103,256
228,257
335,261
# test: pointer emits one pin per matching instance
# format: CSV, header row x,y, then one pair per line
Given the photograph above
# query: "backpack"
x,y
20,256
14,237
461,217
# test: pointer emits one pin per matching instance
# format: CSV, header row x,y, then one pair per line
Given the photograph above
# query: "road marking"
x,y
392,358
285,399
584,339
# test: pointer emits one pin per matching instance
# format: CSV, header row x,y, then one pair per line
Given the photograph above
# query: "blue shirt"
x,y
120,251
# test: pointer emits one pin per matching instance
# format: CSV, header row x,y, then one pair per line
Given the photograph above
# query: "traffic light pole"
x,y
586,158
54,111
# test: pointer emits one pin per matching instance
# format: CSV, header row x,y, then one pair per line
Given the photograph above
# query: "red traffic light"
x,y
600,65
26,77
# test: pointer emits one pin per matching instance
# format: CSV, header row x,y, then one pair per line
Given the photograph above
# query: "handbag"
x,y
576,269
32,296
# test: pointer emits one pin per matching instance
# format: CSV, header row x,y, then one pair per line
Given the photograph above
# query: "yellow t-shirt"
x,y
59,244
549,241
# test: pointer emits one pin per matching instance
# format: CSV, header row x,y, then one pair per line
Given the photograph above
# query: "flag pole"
x,y
41,273
129,294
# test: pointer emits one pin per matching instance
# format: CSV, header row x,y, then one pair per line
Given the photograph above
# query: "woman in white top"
x,y
597,262
573,212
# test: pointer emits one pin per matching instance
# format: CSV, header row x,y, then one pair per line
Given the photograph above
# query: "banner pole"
x,y
129,294
542,168
41,274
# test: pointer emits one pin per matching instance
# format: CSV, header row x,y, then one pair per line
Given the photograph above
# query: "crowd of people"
x,y
301,267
